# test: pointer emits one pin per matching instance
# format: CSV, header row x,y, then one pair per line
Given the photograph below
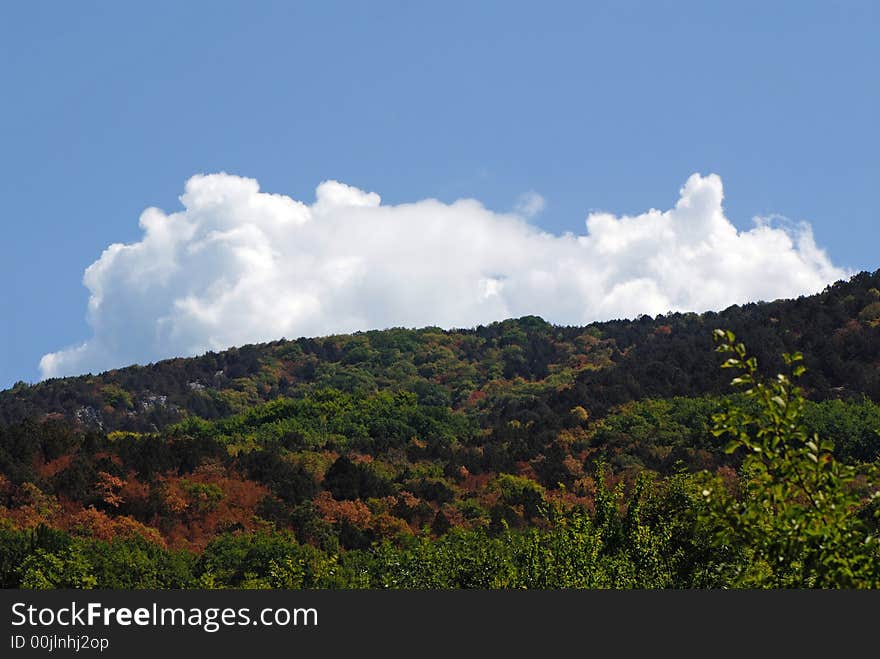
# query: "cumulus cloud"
x,y
237,265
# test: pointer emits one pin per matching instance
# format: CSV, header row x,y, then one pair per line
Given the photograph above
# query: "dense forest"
x,y
651,453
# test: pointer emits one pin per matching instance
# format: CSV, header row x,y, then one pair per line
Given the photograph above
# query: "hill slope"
x,y
381,439
598,366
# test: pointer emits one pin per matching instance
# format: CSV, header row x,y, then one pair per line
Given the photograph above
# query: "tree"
x,y
799,517
43,570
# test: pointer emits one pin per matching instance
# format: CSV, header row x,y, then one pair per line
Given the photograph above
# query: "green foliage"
x,y
203,497
350,480
871,313
659,435
329,418
853,427
43,570
264,560
116,396
798,517
524,492
134,563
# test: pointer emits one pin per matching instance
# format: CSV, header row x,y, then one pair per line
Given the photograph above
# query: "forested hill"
x,y
519,454
502,369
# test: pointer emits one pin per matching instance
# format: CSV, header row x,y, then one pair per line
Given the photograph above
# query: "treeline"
x,y
659,541
666,534
343,472
598,366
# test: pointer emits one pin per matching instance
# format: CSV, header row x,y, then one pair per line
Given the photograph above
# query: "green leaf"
x,y
731,446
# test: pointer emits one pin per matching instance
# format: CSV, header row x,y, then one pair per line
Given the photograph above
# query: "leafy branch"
x,y
800,509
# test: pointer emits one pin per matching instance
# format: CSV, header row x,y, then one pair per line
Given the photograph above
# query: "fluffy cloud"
x,y
238,265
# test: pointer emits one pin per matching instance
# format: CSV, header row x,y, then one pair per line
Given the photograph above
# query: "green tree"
x,y
67,568
798,517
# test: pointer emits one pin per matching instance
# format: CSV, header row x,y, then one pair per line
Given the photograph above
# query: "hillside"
x,y
349,446
597,366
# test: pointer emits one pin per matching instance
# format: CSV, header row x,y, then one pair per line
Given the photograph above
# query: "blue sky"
x,y
108,108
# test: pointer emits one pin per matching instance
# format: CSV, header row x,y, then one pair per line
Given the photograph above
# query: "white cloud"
x,y
530,204
237,266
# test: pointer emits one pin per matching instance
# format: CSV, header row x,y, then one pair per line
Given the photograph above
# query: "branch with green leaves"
x,y
800,510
